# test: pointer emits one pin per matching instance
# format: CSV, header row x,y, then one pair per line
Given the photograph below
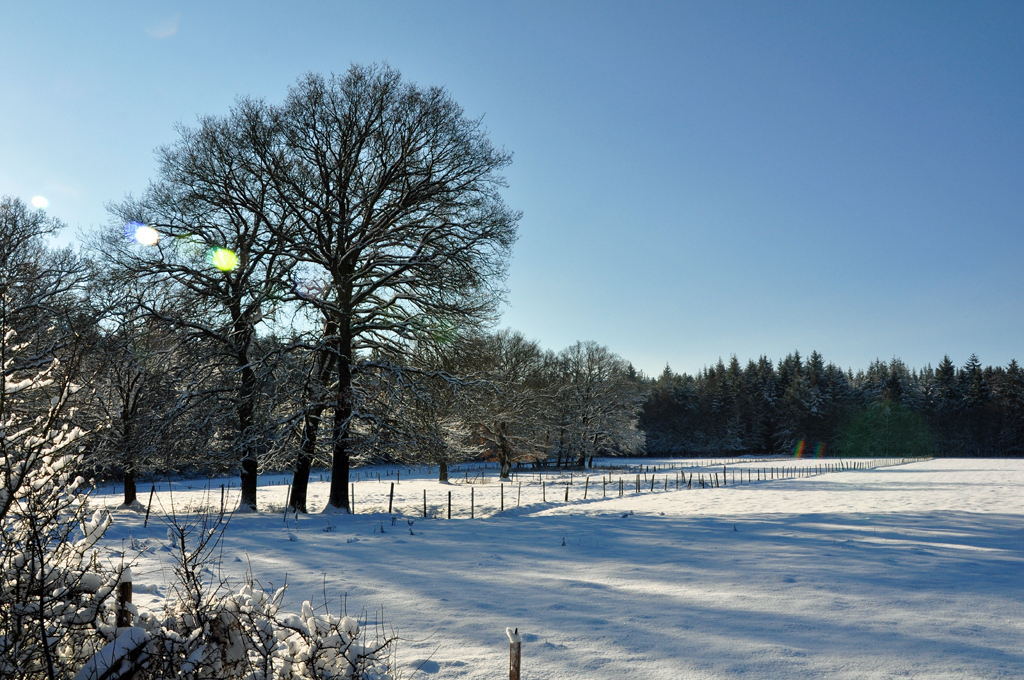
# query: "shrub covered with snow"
x,y
55,598
245,635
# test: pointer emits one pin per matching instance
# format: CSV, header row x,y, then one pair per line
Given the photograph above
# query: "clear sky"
x,y
697,179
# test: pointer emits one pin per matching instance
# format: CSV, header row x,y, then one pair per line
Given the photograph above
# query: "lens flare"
x,y
819,450
223,259
130,229
798,450
147,236
141,233
40,202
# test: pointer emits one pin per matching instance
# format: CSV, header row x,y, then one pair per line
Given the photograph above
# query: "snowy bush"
x,y
245,635
208,631
54,596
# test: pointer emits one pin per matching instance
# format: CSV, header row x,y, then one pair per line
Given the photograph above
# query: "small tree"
x,y
598,402
506,416
432,405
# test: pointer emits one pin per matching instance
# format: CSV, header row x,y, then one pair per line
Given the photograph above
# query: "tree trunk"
x,y
342,413
310,433
129,486
442,472
246,427
505,458
129,469
249,475
304,462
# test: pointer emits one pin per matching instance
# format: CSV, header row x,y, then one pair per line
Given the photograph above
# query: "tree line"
x,y
315,284
803,406
307,284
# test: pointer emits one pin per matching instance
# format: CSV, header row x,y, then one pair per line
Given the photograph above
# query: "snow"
x,y
910,570
103,664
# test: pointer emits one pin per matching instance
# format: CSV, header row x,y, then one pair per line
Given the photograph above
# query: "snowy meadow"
x,y
905,570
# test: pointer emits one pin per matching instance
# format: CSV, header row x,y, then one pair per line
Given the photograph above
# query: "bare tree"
x,y
208,225
596,403
398,223
143,372
507,417
430,400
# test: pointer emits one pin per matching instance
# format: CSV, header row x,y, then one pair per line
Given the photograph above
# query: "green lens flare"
x,y
223,259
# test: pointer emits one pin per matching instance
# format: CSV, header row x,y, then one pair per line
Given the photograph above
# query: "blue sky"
x,y
697,179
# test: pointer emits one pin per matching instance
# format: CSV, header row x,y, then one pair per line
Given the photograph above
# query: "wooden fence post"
x,y
424,502
515,644
449,505
124,598
150,504
391,497
472,501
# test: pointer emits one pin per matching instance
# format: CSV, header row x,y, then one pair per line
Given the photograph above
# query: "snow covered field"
x,y
905,571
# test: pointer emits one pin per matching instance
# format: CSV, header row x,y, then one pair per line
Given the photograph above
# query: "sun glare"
x,y
141,233
40,202
146,235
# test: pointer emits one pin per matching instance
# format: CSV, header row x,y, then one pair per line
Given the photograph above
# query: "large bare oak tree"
x,y
398,217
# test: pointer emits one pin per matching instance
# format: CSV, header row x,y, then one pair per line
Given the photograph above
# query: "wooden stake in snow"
x,y
124,598
566,493
150,504
586,485
391,497
515,643
472,501
503,498
449,505
424,502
